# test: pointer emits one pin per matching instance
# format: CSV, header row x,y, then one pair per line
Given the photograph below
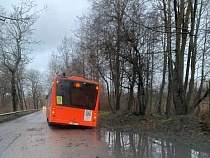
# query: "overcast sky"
x,y
57,21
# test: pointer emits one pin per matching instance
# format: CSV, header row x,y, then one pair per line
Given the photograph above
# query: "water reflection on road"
x,y
130,145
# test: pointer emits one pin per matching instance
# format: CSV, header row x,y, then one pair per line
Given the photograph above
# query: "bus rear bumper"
x,y
64,122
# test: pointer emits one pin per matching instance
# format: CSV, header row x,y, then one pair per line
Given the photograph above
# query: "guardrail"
x,y
12,115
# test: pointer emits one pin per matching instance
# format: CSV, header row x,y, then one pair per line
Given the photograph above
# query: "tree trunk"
x,y
19,93
117,66
141,96
178,95
107,88
162,84
130,97
181,101
131,90
151,84
209,99
34,101
167,17
14,94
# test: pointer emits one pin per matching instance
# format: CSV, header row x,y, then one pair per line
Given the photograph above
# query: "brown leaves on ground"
x,y
184,123
128,120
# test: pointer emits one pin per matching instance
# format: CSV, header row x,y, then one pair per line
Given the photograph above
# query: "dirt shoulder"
x,y
184,128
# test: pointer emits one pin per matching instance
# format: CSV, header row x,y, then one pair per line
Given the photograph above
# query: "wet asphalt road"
x,y
30,137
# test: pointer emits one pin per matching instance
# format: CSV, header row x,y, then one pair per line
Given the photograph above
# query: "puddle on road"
x,y
129,145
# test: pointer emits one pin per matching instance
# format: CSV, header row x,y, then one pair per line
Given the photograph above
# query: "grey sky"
x,y
54,23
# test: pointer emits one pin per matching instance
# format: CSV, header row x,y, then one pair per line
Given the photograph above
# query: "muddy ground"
x,y
186,129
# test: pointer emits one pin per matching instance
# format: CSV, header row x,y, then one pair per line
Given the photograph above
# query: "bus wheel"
x,y
49,123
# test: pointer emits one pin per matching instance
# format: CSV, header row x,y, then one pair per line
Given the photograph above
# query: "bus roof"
x,y
76,78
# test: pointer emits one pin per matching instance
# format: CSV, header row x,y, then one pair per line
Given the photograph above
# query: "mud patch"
x,y
77,145
34,129
40,140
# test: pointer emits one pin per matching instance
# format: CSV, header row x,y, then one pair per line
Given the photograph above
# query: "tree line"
x,y
149,56
19,87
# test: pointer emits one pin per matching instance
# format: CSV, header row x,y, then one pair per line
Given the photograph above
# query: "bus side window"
x,y
48,97
59,89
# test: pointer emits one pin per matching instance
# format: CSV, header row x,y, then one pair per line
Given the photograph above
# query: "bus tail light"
x,y
97,87
53,111
94,116
77,85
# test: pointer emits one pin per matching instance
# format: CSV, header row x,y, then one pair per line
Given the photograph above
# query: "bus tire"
x,y
49,123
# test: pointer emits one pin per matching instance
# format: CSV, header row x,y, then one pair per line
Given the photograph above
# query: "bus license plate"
x,y
88,115
73,123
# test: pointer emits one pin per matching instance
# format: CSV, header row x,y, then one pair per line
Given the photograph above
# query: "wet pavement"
x,y
29,136
131,145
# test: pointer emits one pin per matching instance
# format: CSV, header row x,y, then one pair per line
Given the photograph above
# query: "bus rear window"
x,y
76,94
84,96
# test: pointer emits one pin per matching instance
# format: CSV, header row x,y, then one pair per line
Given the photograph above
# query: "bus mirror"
x,y
46,97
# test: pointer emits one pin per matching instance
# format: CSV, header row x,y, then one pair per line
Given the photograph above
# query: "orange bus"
x,y
72,100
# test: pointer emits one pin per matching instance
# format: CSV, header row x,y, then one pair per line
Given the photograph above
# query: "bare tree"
x,y
66,53
17,37
136,47
185,45
115,40
34,87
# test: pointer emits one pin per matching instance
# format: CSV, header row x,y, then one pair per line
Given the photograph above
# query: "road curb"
x,y
12,115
